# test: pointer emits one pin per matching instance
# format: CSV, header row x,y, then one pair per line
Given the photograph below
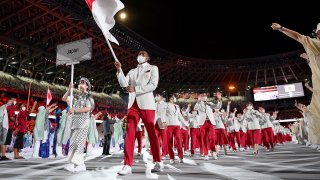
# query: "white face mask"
x,y
14,102
141,59
222,110
249,107
263,110
174,99
23,108
204,98
194,113
156,98
231,115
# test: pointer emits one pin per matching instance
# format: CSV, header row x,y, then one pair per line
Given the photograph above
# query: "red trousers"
x,y
208,137
267,137
185,139
195,139
139,140
221,137
162,136
174,131
279,138
243,139
133,117
254,137
232,136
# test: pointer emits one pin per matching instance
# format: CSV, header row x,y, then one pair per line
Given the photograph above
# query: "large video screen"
x,y
278,92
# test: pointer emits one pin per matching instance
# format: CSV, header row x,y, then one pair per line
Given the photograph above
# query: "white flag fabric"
x,y
103,12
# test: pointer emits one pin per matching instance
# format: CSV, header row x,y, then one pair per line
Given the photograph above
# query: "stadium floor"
x,y
288,161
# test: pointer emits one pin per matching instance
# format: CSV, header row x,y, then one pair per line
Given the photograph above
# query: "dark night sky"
x,y
221,29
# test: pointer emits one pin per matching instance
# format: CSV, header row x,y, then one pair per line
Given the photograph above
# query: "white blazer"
x,y
172,115
205,111
267,120
160,108
219,121
253,118
243,124
233,124
193,120
145,82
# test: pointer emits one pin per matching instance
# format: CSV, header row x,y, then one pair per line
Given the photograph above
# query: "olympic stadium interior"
x,y
31,30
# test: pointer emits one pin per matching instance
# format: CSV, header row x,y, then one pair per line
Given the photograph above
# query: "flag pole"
x,y
71,89
114,55
112,52
29,95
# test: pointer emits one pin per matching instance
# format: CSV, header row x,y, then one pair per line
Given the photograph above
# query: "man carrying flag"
x,y
142,81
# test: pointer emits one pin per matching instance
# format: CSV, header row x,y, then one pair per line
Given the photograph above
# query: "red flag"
x,y
103,12
49,96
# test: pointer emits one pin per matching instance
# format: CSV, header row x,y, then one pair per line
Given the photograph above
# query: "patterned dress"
x,y
79,128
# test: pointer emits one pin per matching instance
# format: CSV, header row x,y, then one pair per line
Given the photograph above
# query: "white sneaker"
x,y
125,170
163,158
206,158
80,168
158,167
69,167
214,156
171,161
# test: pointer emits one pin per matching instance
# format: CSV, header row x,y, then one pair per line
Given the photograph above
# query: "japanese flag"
x,y
103,12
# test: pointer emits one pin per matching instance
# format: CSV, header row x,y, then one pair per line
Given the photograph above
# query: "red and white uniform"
x,y
173,116
233,127
194,132
253,134
185,130
141,104
221,133
207,123
243,131
266,130
161,129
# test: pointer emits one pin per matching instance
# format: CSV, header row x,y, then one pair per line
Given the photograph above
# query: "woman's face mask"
x,y
23,108
249,107
204,98
174,99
